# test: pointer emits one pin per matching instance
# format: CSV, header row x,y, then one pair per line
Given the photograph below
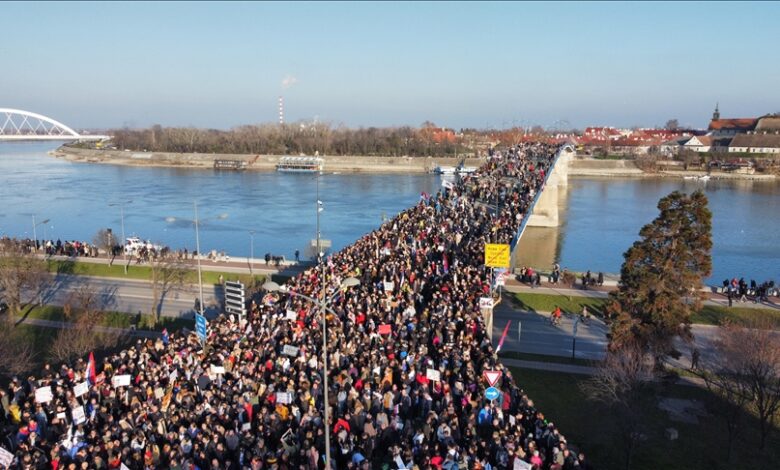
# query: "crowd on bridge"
x,y
407,349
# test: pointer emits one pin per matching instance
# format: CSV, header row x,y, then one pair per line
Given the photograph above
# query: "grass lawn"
x,y
545,358
114,319
709,315
591,427
142,272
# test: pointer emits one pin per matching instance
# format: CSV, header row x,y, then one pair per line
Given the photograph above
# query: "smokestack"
x,y
281,110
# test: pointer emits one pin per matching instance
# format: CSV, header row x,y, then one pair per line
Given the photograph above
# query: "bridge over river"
x,y
18,125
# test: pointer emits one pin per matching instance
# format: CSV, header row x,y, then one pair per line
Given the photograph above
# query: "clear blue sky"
x,y
362,64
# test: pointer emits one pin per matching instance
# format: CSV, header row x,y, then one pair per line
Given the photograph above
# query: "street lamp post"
x,y
323,307
251,251
122,221
197,249
197,222
35,234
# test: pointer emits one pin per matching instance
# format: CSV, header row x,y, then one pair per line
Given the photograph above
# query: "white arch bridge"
x,y
16,124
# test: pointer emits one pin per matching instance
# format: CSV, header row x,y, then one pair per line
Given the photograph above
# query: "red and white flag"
x,y
91,374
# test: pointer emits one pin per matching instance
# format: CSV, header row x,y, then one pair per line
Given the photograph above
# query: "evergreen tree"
x,y
661,277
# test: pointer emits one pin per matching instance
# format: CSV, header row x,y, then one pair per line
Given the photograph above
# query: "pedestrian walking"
x,y
297,256
695,359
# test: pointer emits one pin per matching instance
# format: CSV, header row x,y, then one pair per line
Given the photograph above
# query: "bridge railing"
x,y
531,207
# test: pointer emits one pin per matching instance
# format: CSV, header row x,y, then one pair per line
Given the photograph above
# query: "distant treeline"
x,y
295,139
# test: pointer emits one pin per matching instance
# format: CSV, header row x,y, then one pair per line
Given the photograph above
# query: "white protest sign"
x,y
123,467
290,350
284,397
81,389
389,286
43,395
246,427
485,302
217,369
291,315
78,415
61,416
173,375
521,465
5,458
159,393
433,374
120,381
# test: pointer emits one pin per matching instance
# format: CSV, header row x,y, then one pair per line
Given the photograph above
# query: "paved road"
x,y
129,295
531,332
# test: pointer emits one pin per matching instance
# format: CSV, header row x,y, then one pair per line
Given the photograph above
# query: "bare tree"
x,y
84,310
623,383
17,352
166,275
22,276
745,372
106,240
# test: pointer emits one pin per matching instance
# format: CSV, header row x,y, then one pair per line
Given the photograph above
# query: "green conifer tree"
x,y
661,277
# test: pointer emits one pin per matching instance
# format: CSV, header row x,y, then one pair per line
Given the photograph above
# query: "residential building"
x,y
756,143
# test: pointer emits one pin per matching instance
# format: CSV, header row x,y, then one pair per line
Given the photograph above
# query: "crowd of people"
x,y
71,248
742,292
407,349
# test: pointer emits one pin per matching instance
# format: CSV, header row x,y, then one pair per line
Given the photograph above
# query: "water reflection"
x,y
603,216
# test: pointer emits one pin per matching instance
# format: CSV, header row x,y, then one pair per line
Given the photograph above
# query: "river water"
x,y
279,207
602,217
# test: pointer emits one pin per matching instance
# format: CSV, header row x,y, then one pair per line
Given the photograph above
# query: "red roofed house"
x,y
720,128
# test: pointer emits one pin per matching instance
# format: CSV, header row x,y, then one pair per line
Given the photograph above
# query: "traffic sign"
x,y
492,376
200,326
492,393
497,255
235,300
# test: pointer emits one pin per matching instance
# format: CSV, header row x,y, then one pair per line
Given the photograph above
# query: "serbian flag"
x,y
445,263
424,196
165,337
91,374
503,336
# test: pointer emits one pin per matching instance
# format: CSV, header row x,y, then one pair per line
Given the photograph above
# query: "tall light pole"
x,y
324,307
251,251
197,222
35,234
122,221
197,249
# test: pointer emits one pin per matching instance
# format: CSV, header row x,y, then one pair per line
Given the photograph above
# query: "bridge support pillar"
x,y
545,212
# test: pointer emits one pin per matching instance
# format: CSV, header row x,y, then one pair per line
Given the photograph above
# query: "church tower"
x,y
716,114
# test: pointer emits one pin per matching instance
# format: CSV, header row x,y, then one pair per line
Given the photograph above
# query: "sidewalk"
x,y
101,329
233,265
715,299
581,370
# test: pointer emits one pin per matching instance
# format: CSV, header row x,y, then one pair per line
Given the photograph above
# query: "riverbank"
x,y
591,167
580,167
352,164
